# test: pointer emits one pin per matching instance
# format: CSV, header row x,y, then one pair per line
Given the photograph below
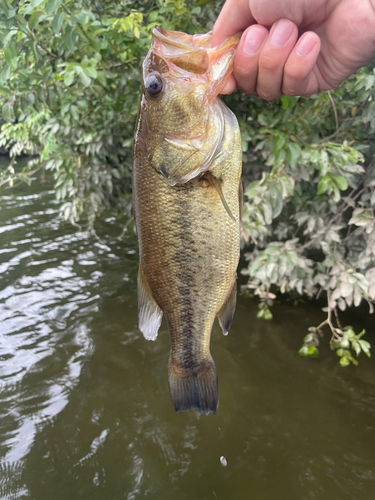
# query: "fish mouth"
x,y
192,53
189,52
182,40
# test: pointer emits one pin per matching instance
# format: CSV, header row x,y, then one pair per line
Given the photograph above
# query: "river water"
x,y
84,404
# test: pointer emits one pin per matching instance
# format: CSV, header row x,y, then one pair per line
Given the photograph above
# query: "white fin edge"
x,y
149,313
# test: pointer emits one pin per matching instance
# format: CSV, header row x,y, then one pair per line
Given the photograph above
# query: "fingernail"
x,y
254,38
305,45
281,33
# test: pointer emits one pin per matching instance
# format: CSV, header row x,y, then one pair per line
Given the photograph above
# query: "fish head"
x,y
182,76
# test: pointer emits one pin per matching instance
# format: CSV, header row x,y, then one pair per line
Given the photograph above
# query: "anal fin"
x,y
149,313
226,313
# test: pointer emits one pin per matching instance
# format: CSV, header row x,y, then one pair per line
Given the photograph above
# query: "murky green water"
x,y
84,405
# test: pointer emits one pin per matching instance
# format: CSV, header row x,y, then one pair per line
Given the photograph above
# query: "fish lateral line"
x,y
214,182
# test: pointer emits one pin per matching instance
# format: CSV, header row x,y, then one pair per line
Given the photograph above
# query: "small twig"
x,y
336,133
93,232
117,65
125,228
328,138
47,51
21,181
328,321
75,224
337,318
334,110
32,37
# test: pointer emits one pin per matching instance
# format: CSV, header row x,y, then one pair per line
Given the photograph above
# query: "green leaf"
x,y
362,217
116,173
294,152
68,78
5,74
53,5
304,351
313,352
287,101
336,194
90,71
80,18
341,182
85,80
8,112
10,55
69,38
344,361
365,346
57,22
356,347
101,78
279,143
34,18
323,185
267,315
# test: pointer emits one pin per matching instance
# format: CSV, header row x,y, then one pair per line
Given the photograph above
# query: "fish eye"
x,y
154,85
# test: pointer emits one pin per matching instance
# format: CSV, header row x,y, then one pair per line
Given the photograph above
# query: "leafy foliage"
x,y
69,91
309,213
69,87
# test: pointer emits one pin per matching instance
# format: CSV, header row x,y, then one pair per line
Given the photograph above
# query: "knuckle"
x,y
248,91
268,95
293,83
242,71
290,90
268,63
294,73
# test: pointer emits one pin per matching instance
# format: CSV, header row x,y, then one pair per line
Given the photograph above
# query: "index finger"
x,y
235,16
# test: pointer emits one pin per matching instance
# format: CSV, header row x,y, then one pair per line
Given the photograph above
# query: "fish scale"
x,y
189,245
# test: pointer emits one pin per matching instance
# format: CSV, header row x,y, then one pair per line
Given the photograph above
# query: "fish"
x,y
187,191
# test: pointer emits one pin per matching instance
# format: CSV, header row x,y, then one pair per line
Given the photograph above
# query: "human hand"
x,y
296,47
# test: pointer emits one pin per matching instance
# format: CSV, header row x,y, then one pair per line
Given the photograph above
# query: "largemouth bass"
x,y
186,193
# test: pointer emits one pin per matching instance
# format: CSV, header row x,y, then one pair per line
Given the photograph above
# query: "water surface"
x,y
84,404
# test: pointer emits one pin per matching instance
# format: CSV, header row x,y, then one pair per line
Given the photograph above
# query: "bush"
x,y
69,90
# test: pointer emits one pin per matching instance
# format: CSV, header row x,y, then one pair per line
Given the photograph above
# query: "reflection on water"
x,y
84,404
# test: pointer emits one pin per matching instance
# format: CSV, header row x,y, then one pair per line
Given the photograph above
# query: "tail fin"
x,y
194,389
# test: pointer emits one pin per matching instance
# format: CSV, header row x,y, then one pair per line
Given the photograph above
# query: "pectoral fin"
x,y
216,184
226,313
149,313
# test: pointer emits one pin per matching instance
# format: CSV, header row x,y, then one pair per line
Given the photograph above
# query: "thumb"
x,y
235,16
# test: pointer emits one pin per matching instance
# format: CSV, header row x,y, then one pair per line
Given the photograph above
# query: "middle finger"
x,y
273,56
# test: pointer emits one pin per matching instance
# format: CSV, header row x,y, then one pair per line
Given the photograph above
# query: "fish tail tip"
x,y
194,389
